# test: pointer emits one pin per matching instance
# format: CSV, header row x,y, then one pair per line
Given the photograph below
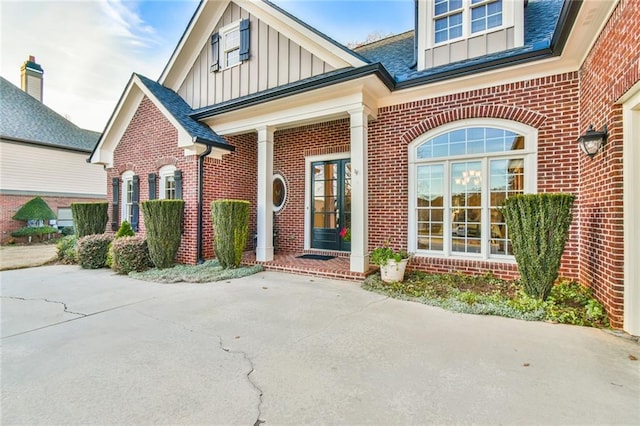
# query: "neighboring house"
x,y
415,139
42,154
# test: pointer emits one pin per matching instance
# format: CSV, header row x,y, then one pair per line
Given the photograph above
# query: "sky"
x,y
89,48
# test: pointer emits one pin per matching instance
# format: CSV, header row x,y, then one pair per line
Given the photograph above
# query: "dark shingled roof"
x,y
396,52
181,111
24,118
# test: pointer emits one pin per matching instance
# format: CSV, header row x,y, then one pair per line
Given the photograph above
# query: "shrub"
x,y
30,231
67,249
538,226
125,230
92,250
163,219
89,218
67,230
34,209
231,228
130,254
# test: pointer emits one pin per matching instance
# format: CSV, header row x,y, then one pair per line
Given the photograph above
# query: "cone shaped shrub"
x,y
230,220
125,230
163,222
34,209
538,226
89,218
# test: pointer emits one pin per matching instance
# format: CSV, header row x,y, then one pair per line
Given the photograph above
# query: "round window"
x,y
279,192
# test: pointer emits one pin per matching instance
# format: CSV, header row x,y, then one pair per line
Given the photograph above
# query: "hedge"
x,y
231,228
34,209
89,218
130,254
92,250
163,222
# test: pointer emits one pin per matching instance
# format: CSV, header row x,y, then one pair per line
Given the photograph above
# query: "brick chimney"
x,y
31,79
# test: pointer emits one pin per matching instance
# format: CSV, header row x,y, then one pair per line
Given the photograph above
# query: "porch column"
x,y
359,190
264,251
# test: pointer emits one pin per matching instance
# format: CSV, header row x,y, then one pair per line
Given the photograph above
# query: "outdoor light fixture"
x,y
592,140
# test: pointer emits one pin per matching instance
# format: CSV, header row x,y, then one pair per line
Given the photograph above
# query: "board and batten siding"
x,y
274,60
40,169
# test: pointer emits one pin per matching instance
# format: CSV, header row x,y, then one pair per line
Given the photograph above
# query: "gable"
x,y
283,49
274,60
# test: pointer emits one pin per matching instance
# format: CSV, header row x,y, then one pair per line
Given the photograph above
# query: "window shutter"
x,y
244,40
177,177
152,186
136,198
215,52
115,187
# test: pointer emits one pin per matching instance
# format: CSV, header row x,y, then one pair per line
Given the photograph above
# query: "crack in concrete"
x,y
258,421
66,309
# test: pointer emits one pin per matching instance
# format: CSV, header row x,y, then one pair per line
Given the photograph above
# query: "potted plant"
x,y
392,263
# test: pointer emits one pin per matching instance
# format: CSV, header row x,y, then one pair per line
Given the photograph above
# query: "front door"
x,y
331,204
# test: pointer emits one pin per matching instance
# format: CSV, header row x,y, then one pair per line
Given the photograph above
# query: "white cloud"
x,y
88,50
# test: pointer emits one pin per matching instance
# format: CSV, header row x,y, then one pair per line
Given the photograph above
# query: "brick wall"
x,y
150,142
611,69
10,204
548,104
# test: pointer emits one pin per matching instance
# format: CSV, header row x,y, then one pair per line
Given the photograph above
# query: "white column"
x,y
264,251
359,194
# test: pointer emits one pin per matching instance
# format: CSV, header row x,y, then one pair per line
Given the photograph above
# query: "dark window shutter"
x,y
115,212
244,40
215,52
177,177
134,208
152,186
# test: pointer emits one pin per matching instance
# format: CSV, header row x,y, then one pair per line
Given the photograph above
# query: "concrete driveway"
x,y
90,347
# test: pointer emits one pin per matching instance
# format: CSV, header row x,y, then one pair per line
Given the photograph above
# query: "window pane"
x,y
474,140
430,184
486,16
466,200
233,57
507,179
232,40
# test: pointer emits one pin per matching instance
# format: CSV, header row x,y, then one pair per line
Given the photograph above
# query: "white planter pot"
x,y
393,271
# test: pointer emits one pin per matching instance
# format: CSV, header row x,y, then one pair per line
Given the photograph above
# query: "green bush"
x,y
67,249
538,225
90,218
30,231
130,254
231,228
162,220
92,250
34,209
68,230
125,230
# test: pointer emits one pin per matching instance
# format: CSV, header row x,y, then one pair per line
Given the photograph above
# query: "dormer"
x,y
454,30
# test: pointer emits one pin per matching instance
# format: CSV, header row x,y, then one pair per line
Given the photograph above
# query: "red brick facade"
x,y
610,70
560,107
9,205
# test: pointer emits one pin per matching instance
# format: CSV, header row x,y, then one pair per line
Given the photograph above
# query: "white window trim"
x,y
126,177
163,173
530,182
507,21
224,31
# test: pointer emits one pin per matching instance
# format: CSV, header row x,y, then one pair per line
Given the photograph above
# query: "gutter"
x,y
296,88
201,158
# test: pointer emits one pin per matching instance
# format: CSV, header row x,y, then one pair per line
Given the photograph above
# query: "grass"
x,y
569,302
206,272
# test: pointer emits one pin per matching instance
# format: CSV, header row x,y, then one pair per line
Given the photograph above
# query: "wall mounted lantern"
x,y
592,141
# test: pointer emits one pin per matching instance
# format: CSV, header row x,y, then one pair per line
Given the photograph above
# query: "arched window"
x,y
167,182
459,175
127,196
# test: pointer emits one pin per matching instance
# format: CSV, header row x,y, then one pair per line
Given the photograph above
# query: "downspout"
x,y
201,158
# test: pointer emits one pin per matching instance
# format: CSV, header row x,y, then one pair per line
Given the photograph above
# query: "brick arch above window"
x,y
506,112
166,161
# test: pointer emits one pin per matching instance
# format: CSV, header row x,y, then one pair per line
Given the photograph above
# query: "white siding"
x,y
35,168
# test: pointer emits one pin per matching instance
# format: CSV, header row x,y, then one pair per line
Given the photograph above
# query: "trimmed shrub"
x,y
125,230
538,225
34,209
68,230
163,222
231,228
67,247
30,231
90,218
130,254
92,250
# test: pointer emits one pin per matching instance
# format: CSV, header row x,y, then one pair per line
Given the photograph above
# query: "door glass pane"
x,y
466,199
430,209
